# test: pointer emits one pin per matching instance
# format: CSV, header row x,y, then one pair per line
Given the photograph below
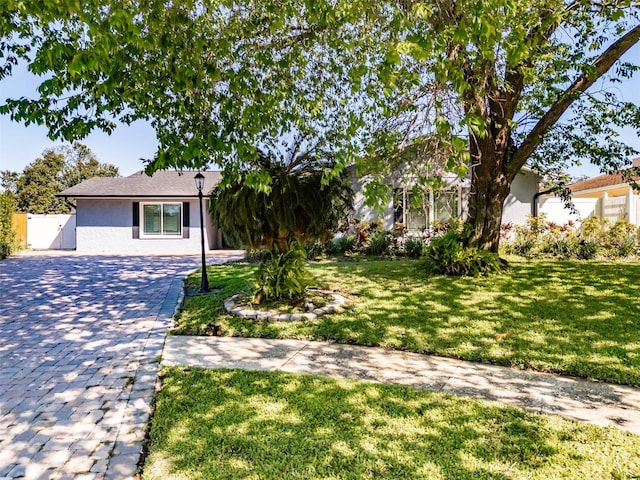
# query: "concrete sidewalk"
x,y
598,403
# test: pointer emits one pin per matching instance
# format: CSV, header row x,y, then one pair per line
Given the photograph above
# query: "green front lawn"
x,y
570,317
232,424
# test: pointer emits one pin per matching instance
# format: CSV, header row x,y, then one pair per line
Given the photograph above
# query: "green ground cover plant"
x,y
235,424
571,317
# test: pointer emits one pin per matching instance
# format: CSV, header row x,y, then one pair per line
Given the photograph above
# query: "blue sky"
x,y
20,145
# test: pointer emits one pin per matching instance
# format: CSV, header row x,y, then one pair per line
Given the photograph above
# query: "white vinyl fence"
x,y
614,209
557,212
626,208
51,232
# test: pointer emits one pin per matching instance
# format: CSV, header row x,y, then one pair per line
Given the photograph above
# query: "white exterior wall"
x,y
517,205
366,213
106,225
556,211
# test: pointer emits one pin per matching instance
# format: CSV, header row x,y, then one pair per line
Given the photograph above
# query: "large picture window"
x,y
161,219
446,204
421,214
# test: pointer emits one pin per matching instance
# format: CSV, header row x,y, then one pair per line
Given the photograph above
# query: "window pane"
x,y
417,219
446,205
172,219
417,215
398,205
151,219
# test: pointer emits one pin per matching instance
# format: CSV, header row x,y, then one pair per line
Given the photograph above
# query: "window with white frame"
x,y
161,219
446,204
420,214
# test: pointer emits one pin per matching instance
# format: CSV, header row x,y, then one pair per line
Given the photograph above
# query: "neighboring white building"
x,y
441,205
139,213
608,196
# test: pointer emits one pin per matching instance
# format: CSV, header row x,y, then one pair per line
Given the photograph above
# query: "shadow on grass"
x,y
239,424
577,318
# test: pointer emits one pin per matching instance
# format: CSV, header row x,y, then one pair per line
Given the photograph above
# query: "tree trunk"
x,y
489,189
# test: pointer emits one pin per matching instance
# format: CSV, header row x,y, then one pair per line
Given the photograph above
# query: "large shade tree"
x,y
491,84
510,82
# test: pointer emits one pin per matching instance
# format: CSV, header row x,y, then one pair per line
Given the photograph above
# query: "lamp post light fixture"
x,y
204,283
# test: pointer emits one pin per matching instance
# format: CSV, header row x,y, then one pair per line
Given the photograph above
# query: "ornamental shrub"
x,y
447,255
345,244
620,240
594,237
283,276
413,247
587,249
378,244
7,234
317,249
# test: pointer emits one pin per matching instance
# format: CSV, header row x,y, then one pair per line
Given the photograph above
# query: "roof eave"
x,y
602,189
93,195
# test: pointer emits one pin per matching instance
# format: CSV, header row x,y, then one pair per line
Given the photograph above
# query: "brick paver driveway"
x,y
80,338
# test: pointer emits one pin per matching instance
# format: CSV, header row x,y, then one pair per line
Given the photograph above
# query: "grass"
x,y
569,317
231,424
315,298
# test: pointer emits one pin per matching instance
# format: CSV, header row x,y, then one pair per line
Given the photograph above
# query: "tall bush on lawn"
x,y
7,234
301,203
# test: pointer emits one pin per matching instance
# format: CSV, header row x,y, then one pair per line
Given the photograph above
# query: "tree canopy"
x,y
59,168
7,233
216,79
485,85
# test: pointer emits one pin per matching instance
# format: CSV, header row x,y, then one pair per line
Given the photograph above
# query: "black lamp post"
x,y
204,283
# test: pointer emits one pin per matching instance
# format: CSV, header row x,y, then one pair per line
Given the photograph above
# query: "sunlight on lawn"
x,y
559,316
273,425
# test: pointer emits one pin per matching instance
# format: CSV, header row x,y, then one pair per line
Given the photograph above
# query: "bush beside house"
x,y
7,234
594,237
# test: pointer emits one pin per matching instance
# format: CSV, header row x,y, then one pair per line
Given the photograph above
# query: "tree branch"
x,y
604,62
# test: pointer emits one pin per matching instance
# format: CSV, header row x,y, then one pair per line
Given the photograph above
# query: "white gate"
x,y
56,232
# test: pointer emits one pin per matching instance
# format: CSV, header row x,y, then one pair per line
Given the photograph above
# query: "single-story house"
x,y
160,213
441,205
141,213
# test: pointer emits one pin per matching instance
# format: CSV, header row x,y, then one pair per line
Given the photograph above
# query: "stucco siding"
x,y
106,225
517,205
366,213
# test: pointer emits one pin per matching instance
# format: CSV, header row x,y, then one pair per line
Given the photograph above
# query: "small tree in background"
x,y
280,206
7,234
59,168
36,188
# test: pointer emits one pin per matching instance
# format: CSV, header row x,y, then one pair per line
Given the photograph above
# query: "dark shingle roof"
x,y
163,183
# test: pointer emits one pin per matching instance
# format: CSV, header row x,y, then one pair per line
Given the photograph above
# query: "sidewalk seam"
x,y
295,354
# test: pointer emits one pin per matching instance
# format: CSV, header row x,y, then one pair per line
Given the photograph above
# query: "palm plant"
x,y
302,202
